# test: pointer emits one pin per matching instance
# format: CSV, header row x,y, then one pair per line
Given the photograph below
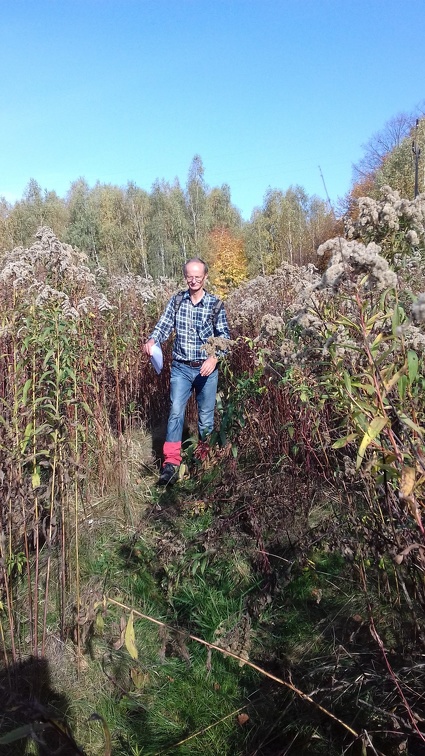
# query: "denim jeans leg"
x,y
181,387
206,393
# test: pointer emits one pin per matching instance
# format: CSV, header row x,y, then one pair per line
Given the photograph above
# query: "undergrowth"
x,y
272,601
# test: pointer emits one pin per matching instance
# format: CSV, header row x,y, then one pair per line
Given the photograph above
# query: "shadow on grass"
x,y
32,711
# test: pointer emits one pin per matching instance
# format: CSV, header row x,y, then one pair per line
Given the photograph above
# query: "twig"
x,y
276,556
366,735
291,687
409,711
201,732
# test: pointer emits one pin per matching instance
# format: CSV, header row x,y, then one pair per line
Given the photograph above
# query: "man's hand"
x,y
208,366
148,346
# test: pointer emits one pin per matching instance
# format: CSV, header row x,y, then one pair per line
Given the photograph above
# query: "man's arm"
x,y
163,328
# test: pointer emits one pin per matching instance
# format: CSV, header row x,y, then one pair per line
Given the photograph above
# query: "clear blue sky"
x,y
264,91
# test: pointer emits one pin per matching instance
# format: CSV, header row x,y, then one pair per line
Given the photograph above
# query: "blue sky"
x,y
265,91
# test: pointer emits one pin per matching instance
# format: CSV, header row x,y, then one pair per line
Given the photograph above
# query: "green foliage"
x,y
152,234
288,228
380,402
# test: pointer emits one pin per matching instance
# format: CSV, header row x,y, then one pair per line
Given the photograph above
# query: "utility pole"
x,y
417,153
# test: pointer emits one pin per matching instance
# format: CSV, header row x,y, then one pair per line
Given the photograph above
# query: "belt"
x,y
192,363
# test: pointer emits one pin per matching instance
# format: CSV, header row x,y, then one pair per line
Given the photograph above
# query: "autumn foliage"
x,y
228,260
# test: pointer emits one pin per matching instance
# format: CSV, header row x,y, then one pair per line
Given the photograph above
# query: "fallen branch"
x,y
261,671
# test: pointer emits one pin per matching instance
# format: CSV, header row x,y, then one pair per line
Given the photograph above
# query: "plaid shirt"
x,y
193,325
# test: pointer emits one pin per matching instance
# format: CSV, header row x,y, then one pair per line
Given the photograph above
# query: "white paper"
x,y
157,358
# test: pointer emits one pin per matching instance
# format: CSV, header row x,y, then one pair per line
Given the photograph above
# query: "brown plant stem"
x,y
212,646
201,732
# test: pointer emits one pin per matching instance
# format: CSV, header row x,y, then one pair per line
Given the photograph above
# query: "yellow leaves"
x,y
129,638
408,480
373,430
344,441
140,679
414,511
183,472
404,377
228,261
408,484
388,384
95,717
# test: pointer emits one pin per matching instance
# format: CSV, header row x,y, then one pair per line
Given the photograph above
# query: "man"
x,y
196,318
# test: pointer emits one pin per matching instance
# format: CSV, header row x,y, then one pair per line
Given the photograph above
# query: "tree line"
x,y
130,230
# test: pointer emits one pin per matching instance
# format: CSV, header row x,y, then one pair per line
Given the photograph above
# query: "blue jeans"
x,y
183,380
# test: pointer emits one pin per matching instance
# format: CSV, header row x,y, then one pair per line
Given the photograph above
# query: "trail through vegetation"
x,y
272,601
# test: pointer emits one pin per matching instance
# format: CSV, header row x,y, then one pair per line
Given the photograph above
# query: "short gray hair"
x,y
195,260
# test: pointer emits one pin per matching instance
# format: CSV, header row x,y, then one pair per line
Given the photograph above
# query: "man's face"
x,y
195,276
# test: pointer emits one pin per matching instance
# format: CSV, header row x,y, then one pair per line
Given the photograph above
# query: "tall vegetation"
x,y
70,374
313,482
293,545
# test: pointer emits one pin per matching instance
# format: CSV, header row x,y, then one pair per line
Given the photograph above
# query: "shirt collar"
x,y
186,295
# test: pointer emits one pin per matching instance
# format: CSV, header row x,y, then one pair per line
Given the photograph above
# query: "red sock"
x,y
172,452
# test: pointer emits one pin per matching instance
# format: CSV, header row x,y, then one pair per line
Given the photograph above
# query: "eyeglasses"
x,y
197,279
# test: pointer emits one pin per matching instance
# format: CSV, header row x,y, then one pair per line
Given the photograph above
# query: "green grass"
x,y
174,566
170,692
182,700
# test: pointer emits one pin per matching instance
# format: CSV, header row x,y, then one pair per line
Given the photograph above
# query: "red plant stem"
x,y
375,635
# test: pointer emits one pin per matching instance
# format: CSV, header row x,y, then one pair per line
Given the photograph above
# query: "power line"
x,y
417,153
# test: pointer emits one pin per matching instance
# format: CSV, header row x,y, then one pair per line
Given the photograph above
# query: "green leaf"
x,y
383,357
395,319
35,479
373,430
347,381
412,365
366,387
25,390
343,320
341,442
376,343
49,354
22,732
410,424
129,638
86,407
26,438
402,386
